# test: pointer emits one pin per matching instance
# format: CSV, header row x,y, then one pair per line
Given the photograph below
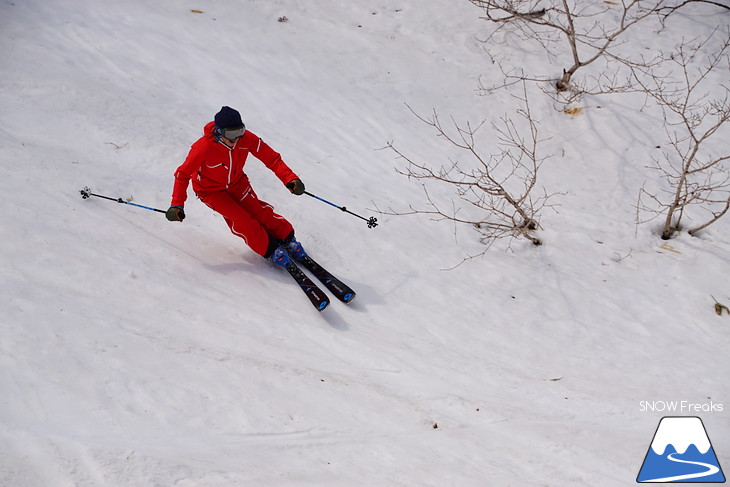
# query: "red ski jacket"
x,y
213,166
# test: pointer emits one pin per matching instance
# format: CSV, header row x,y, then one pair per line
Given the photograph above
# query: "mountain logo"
x,y
681,452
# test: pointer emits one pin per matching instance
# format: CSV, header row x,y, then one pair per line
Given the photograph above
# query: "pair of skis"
x,y
316,296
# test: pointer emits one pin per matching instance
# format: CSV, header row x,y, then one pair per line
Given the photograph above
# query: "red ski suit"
x,y
219,181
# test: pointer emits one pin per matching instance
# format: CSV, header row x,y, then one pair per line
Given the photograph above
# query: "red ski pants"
x,y
247,216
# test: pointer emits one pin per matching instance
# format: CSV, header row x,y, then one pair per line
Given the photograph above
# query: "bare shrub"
x,y
500,186
586,30
696,111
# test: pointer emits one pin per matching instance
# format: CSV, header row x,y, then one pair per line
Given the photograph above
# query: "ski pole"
x,y
86,192
372,221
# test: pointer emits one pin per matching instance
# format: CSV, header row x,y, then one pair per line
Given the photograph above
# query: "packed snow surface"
x,y
139,352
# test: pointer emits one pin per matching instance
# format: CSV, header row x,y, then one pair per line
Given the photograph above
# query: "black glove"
x,y
175,214
296,186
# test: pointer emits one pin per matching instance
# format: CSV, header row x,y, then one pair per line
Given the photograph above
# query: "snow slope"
x,y
134,351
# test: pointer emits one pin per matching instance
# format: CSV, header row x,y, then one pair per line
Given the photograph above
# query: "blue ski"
x,y
318,298
342,291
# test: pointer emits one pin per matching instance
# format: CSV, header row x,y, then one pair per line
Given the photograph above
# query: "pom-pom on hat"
x,y
227,118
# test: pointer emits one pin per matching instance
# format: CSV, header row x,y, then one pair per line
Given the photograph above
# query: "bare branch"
x,y
670,9
588,30
691,119
500,185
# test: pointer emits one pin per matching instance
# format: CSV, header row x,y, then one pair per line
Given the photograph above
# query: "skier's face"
x,y
234,133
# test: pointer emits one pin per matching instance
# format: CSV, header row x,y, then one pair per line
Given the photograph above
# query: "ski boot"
x,y
295,249
281,258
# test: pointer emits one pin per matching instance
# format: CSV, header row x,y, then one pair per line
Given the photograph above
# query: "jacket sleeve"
x,y
271,159
183,175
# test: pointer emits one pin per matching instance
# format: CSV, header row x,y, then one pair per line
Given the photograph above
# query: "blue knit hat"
x,y
227,117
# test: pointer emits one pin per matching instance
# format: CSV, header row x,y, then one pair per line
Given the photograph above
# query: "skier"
x,y
215,165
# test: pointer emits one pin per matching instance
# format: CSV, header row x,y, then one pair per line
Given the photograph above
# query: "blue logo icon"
x,y
681,452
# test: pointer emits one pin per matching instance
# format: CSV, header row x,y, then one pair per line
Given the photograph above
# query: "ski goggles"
x,y
234,132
